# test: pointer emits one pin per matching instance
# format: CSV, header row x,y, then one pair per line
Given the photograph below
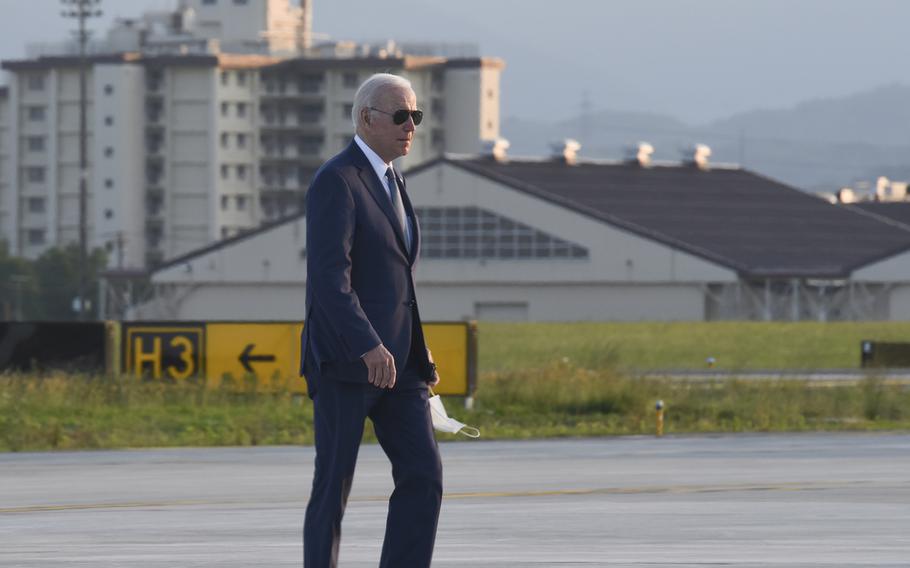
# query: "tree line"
x,y
45,288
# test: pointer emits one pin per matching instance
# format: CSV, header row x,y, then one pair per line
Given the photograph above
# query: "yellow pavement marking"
x,y
675,489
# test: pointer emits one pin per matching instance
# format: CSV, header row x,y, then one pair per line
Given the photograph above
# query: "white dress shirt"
x,y
380,168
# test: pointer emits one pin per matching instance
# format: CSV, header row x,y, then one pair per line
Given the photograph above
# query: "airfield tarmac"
x,y
744,500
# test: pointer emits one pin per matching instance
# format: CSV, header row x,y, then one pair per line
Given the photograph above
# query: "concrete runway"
x,y
744,500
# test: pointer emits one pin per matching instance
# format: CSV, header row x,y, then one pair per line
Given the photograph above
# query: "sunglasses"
x,y
401,116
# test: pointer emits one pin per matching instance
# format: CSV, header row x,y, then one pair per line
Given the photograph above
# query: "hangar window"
x,y
471,232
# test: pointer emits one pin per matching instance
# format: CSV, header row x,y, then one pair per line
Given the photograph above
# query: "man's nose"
x,y
409,125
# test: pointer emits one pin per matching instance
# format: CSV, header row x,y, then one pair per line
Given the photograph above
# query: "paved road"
x,y
745,501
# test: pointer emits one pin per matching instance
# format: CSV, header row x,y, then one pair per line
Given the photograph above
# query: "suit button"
x,y
413,303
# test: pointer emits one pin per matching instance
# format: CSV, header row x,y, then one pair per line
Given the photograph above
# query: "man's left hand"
x,y
435,379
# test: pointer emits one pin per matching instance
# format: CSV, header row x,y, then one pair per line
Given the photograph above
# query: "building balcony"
x,y
308,124
279,186
314,118
272,153
306,89
154,117
280,122
154,225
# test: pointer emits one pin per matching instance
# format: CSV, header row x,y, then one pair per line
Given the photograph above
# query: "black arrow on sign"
x,y
247,357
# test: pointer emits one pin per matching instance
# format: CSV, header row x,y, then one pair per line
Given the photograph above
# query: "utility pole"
x,y
584,118
82,10
120,244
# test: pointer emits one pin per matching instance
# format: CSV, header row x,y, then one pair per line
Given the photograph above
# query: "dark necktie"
x,y
398,206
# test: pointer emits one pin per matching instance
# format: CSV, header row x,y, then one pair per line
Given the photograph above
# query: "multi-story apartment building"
x,y
189,144
305,104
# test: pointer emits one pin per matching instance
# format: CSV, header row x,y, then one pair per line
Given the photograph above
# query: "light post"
x,y
82,10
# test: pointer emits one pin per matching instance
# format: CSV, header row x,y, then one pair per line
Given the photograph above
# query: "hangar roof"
x,y
739,219
893,211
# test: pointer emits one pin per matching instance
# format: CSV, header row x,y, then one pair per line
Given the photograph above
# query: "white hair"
x,y
368,93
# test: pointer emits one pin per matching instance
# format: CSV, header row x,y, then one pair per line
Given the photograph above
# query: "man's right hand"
x,y
380,367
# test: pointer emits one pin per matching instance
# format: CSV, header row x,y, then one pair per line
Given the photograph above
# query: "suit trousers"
x,y
404,428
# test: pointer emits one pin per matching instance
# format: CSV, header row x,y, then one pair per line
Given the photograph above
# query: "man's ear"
x,y
365,114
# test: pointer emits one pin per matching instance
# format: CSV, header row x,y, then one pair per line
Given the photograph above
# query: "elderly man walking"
x,y
363,350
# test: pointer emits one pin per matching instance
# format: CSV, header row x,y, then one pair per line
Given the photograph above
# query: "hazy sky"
x,y
694,59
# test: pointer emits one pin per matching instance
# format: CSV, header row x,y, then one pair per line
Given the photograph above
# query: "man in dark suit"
x,y
363,350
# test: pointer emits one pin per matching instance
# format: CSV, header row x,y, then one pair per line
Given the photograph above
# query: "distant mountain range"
x,y
818,145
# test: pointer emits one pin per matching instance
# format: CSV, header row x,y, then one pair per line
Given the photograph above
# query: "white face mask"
x,y
443,423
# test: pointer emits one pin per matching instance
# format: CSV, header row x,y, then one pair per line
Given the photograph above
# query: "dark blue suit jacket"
x,y
360,276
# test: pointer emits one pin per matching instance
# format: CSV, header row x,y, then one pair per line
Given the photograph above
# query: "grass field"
x,y
661,346
536,380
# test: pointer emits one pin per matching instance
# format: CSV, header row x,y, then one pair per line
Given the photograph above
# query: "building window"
x,y
209,2
241,202
225,232
224,78
108,89
240,2
347,110
241,172
36,113
36,82
108,152
310,144
349,80
36,143
437,109
309,83
224,139
109,183
36,205
438,139
108,213
474,233
241,140
224,109
241,77
34,174
109,120
36,236
310,114
224,202
437,81
225,172
241,110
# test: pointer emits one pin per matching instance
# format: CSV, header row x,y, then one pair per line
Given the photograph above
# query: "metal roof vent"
x,y
887,190
496,149
698,156
567,151
846,195
640,154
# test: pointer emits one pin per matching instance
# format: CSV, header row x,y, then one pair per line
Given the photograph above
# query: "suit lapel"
x,y
377,192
